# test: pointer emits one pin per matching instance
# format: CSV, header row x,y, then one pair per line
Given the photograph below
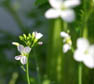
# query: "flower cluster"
x,y
84,52
67,41
24,51
63,9
30,42
31,39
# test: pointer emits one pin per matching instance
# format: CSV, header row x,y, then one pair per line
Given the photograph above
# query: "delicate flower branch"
x,y
30,41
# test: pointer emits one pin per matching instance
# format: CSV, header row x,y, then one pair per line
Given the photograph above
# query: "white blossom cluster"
x,y
24,51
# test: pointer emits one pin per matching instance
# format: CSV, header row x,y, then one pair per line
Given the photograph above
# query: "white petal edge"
x,y
17,57
68,15
27,50
91,50
71,3
89,61
15,43
37,35
78,55
23,60
56,3
64,34
66,47
82,44
20,48
52,13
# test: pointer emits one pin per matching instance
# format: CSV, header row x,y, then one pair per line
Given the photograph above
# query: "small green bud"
x,y
24,35
29,35
21,38
15,43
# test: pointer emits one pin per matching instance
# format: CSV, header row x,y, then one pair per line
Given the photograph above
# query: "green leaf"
x,y
40,2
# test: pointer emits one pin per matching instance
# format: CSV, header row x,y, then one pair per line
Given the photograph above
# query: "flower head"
x,y
67,41
37,35
84,52
24,51
63,9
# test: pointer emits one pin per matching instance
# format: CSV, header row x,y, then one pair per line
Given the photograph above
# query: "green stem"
x,y
54,58
80,74
38,70
27,71
85,32
65,26
57,49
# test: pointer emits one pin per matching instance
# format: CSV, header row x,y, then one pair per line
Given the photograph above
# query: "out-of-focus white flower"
x,y
37,35
24,52
63,9
67,41
84,52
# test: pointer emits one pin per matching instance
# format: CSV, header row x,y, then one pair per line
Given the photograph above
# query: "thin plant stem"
x,y
80,74
27,71
65,26
38,70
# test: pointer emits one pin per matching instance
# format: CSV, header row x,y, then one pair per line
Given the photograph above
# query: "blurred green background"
x,y
25,16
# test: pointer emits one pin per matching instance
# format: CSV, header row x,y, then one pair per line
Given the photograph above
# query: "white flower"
x,y
23,59
84,52
63,9
67,41
24,52
37,35
64,35
66,47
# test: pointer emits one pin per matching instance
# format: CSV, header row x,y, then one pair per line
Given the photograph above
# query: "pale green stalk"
x,y
38,70
27,70
80,74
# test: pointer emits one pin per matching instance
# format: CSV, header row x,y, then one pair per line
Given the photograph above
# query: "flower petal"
x,y
89,61
23,59
78,55
15,43
17,57
56,3
27,50
91,50
82,44
20,48
71,3
64,34
37,35
52,13
68,15
66,47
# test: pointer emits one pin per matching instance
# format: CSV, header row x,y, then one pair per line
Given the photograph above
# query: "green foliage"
x,y
41,2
